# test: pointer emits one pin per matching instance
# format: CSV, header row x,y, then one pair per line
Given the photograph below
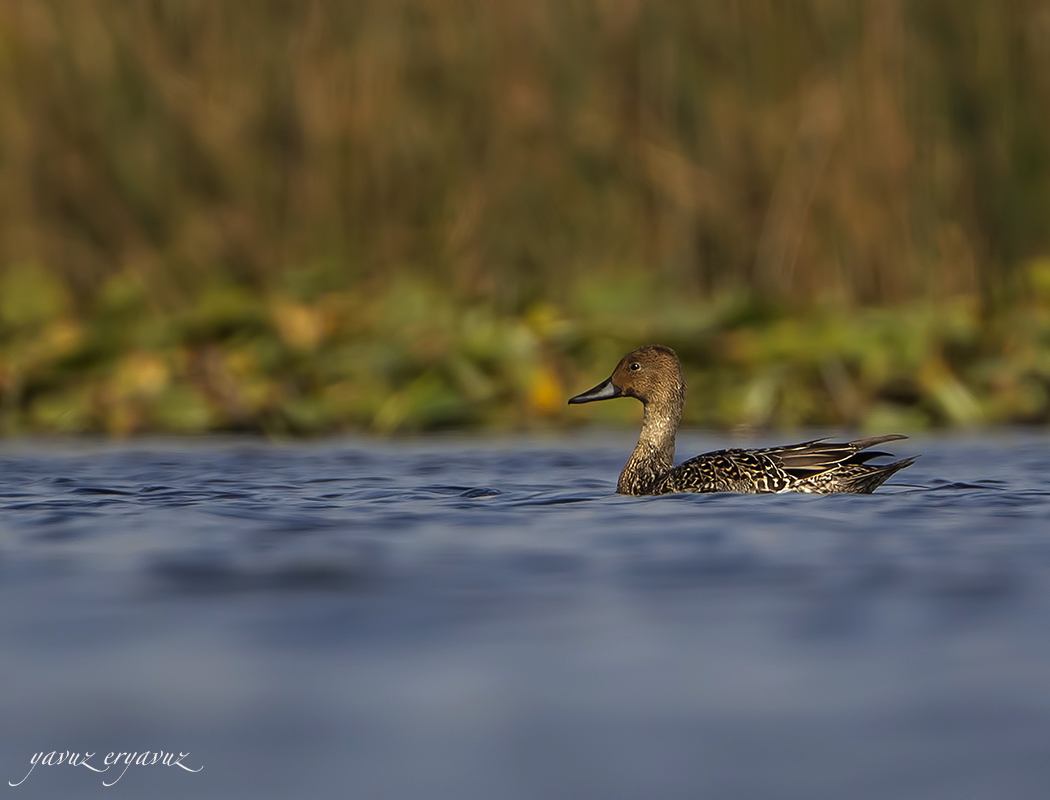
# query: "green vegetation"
x,y
406,215
414,358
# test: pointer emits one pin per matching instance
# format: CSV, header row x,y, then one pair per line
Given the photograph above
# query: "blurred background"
x,y
406,215
304,218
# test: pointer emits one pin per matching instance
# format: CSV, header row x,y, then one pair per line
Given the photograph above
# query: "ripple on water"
x,y
450,619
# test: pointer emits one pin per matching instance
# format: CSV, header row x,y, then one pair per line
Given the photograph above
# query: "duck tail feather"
x,y
864,444
873,477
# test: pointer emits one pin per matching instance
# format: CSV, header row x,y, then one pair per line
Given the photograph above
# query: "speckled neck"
x,y
653,456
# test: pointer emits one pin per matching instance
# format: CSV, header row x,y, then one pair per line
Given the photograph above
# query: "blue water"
x,y
476,619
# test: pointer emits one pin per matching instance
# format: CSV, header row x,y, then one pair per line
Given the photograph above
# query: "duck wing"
x,y
826,467
816,466
807,459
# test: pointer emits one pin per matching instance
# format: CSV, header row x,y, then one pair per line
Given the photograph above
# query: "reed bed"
x,y
411,214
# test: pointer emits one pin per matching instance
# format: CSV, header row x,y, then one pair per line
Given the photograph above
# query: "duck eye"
x,y
635,366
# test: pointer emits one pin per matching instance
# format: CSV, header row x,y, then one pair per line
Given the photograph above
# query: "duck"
x,y
653,375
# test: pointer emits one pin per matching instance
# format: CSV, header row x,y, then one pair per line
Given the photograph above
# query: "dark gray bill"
x,y
605,390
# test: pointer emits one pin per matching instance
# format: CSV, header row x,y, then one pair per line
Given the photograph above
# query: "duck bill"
x,y
603,391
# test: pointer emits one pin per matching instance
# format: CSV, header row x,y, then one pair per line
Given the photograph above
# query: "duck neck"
x,y
653,456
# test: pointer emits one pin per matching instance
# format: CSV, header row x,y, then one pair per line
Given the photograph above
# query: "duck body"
x,y
814,467
653,375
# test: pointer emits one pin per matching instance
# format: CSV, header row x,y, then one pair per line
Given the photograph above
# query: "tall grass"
x,y
322,163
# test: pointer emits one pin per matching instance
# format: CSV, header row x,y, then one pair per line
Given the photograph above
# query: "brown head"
x,y
652,374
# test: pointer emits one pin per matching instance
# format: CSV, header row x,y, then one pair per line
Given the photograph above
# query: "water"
x,y
461,619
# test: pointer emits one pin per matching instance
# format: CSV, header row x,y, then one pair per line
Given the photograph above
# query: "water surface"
x,y
471,619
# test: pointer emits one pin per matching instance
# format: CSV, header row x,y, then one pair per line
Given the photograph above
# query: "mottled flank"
x,y
818,467
653,375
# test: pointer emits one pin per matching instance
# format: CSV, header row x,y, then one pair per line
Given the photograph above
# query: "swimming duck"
x,y
653,375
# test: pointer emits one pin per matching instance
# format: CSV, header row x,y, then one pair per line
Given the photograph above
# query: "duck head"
x,y
651,374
